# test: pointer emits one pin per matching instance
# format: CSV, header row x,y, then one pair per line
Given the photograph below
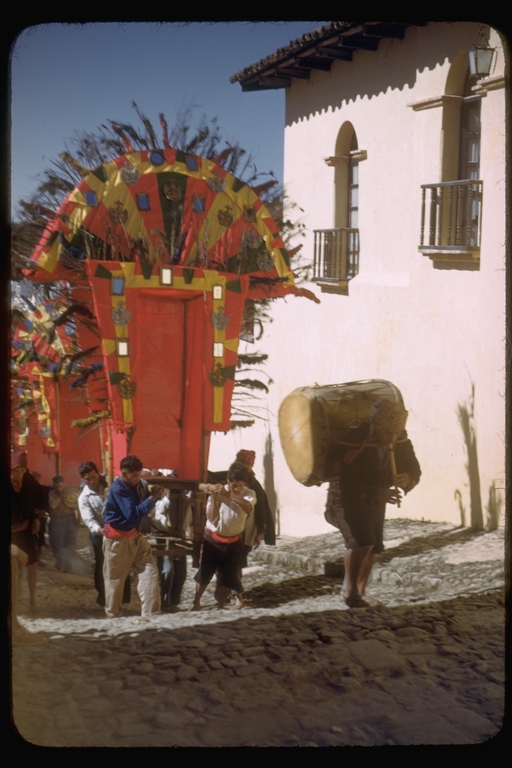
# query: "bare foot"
x,y
195,607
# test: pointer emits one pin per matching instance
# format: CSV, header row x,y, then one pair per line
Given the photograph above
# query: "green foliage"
x,y
253,358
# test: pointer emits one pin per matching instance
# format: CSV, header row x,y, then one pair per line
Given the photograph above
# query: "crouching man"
x,y
369,480
124,547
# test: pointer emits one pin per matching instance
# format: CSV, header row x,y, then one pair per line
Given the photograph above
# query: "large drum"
x,y
315,422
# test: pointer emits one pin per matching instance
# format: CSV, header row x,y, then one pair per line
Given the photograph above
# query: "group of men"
x,y
376,467
117,518
116,521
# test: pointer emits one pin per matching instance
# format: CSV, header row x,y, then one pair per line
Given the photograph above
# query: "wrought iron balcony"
x,y
336,257
451,219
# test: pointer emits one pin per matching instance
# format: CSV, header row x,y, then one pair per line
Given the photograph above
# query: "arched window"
x,y
353,210
469,132
345,177
337,249
461,124
451,209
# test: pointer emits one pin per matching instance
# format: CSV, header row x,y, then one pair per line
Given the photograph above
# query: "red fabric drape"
x,y
76,446
162,393
195,389
157,363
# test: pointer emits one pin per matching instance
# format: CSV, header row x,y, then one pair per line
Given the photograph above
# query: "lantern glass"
x,y
480,61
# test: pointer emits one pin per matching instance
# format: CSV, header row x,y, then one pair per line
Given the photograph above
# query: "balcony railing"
x,y
336,255
451,217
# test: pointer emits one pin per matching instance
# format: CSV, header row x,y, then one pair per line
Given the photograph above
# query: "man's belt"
x,y
114,533
222,539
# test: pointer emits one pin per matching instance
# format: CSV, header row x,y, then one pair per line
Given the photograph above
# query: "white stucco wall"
x,y
434,333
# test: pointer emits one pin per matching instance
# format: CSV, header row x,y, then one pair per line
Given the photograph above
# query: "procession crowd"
x,y
119,520
375,468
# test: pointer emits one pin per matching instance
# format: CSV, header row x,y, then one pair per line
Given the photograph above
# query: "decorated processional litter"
x,y
159,250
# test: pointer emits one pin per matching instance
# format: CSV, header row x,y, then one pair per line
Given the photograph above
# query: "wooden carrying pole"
x,y
58,463
393,472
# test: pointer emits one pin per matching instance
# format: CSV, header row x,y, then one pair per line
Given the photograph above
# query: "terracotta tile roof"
x,y
317,50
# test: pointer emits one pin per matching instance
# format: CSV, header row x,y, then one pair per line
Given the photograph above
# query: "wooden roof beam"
x,y
333,53
291,71
314,62
263,83
359,42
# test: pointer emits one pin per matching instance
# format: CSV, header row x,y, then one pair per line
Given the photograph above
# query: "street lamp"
x,y
481,55
480,61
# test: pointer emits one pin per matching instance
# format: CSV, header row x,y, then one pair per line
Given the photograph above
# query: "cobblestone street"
x,y
295,667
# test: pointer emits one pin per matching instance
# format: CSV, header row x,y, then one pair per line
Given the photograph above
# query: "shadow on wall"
x,y
494,505
466,413
268,481
462,509
371,73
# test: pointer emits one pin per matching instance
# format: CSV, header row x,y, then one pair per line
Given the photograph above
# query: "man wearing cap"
x,y
368,483
124,547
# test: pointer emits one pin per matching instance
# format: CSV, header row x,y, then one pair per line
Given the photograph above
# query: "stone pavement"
x,y
294,668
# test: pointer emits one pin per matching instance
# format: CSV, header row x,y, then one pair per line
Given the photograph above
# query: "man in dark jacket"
x,y
124,547
262,526
369,480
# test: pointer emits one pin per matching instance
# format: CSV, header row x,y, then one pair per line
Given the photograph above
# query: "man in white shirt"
x,y
226,514
90,503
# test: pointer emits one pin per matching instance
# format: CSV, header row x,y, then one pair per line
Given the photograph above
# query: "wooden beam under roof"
x,y
267,83
331,52
309,61
359,42
291,71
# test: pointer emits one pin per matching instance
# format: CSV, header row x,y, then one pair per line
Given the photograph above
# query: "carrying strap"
x,y
351,455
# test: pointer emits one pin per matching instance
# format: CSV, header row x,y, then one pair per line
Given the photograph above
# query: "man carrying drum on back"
x,y
372,473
